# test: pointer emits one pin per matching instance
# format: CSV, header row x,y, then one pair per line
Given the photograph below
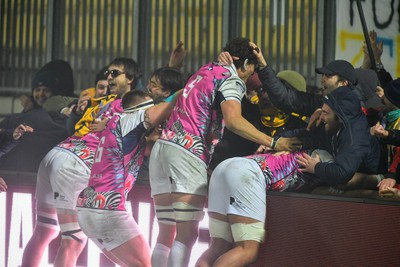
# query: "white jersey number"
x,y
191,85
99,150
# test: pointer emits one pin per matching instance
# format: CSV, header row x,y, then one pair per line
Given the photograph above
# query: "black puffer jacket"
x,y
353,148
288,99
48,131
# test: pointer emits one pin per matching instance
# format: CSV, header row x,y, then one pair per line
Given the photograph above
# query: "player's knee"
x,y
185,212
220,229
48,220
165,215
248,231
72,231
250,255
242,232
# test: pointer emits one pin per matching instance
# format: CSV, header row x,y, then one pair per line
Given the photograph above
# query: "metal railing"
x,y
90,33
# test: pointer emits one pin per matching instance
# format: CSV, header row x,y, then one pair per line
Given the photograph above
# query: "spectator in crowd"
x,y
9,139
387,131
179,159
101,83
371,104
64,173
89,99
49,128
346,136
62,70
377,50
335,74
62,73
118,159
178,56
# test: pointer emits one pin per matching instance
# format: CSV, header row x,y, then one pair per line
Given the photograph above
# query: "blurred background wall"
x,y
293,34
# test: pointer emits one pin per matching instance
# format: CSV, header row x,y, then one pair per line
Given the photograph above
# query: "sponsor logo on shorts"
x,y
59,197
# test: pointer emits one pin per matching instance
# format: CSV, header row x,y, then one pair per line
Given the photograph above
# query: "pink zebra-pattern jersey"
x,y
196,123
280,171
118,158
85,147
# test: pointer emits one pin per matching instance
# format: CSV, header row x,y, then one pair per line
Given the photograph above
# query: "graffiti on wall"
x,y
382,16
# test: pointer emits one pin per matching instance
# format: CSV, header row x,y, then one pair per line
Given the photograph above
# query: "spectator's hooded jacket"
x,y
353,148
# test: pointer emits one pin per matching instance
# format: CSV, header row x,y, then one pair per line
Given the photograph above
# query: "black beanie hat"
x,y
46,79
392,92
366,88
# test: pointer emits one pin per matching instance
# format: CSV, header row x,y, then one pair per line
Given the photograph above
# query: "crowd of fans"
x,y
224,137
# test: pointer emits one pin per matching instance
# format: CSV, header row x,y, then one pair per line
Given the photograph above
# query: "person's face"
x,y
264,101
139,101
40,94
119,84
330,83
245,74
328,117
101,88
156,90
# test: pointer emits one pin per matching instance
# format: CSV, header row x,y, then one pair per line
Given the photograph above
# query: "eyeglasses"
x,y
114,73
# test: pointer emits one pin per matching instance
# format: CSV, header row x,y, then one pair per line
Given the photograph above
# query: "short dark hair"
x,y
101,75
170,78
241,48
133,97
131,69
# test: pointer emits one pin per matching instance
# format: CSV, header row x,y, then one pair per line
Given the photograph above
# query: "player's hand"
x,y
98,125
288,144
20,130
226,59
315,119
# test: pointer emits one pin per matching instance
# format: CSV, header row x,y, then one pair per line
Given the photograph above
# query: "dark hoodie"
x,y
353,148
